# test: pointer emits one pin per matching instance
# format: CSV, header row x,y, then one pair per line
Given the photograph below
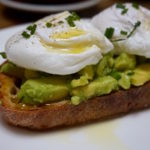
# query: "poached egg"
x,y
127,37
58,46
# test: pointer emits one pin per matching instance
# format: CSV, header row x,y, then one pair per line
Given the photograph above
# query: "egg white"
x,y
138,43
47,51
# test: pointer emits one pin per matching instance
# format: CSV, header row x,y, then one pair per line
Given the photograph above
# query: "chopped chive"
x,y
123,32
70,21
137,24
75,16
29,28
48,24
124,11
60,22
26,35
32,28
116,75
3,54
135,5
117,40
121,6
130,73
109,32
0,102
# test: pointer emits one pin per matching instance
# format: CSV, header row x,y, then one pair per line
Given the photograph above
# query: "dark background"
x,y
10,17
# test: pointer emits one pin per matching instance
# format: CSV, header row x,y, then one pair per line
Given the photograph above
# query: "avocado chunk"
x,y
43,90
75,100
100,86
105,85
79,82
124,81
141,75
12,70
125,62
105,65
88,72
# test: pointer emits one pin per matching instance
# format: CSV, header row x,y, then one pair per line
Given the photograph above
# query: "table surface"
x,y
10,17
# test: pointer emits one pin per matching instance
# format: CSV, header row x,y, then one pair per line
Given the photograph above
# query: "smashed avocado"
x,y
100,86
86,75
44,90
112,73
125,81
125,62
141,75
105,65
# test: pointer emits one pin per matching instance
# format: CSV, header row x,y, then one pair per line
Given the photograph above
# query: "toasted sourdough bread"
x,y
63,113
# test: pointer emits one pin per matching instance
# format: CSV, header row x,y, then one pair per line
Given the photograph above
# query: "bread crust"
x,y
64,114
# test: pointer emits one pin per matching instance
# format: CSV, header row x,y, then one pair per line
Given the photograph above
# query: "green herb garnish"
x,y
70,21
130,73
115,75
135,5
121,6
3,54
137,24
26,35
60,22
73,17
48,24
0,102
117,40
123,32
109,32
124,11
32,28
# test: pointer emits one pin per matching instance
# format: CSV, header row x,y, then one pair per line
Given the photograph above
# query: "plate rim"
x,y
49,8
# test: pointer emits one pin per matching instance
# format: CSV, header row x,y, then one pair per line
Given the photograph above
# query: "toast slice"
x,y
63,113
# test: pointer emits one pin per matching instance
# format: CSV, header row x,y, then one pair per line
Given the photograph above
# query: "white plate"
x,y
49,8
130,132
